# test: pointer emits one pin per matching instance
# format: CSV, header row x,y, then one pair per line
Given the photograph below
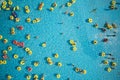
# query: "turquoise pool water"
x,y
49,30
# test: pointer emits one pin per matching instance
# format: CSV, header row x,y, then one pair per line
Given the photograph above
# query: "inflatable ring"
x,y
105,62
17,19
10,2
4,62
1,37
71,13
51,9
30,52
35,76
9,48
5,41
4,51
90,20
103,54
59,64
27,49
95,41
28,77
22,62
28,19
68,4
11,17
19,68
108,69
58,76
44,44
83,71
74,48
36,64
113,64
15,56
9,77
56,55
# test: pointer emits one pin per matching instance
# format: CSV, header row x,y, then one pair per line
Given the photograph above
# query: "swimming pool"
x,y
55,29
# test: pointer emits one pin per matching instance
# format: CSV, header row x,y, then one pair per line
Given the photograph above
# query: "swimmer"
x,y
109,54
60,22
61,33
78,27
22,44
106,24
29,69
36,37
105,40
14,14
118,3
62,6
66,12
54,4
94,10
68,78
73,65
5,56
111,35
113,7
111,58
43,77
115,32
20,27
95,25
114,25
41,6
102,29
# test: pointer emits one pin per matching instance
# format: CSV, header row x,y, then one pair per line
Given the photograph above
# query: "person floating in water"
x,y
94,10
